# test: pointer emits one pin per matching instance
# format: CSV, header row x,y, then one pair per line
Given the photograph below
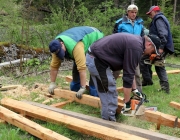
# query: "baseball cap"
x,y
153,8
155,41
55,47
132,7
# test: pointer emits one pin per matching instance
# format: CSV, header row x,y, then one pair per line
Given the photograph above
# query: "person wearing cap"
x,y
73,44
133,24
116,52
160,27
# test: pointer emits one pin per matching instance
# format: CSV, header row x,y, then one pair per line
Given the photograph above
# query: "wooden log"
x,y
70,122
148,134
161,118
4,88
29,126
86,99
175,105
60,105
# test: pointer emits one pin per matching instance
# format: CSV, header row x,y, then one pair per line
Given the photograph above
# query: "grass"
x,y
156,98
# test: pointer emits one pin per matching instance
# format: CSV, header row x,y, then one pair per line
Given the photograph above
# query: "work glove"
x,y
80,92
52,86
137,93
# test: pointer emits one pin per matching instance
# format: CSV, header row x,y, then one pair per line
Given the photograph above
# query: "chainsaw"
x,y
159,61
137,107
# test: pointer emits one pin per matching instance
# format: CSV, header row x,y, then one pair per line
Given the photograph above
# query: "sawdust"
x,y
24,92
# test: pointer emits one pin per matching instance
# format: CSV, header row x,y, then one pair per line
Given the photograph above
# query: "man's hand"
x,y
80,92
137,93
52,86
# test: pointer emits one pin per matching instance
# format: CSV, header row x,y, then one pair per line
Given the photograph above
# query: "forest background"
x,y
36,22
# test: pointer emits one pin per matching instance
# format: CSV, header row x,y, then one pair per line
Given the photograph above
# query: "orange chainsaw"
x,y
159,61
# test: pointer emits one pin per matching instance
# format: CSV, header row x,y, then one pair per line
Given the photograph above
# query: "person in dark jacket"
x,y
131,23
121,51
160,27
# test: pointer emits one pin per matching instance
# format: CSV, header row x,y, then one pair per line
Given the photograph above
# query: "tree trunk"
x,y
174,12
132,1
116,3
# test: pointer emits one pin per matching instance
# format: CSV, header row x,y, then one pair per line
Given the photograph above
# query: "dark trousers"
x,y
161,72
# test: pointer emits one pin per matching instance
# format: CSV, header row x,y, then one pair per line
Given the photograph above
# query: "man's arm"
x,y
162,30
80,60
55,64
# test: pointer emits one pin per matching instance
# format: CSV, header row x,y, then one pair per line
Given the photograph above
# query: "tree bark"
x,y
174,12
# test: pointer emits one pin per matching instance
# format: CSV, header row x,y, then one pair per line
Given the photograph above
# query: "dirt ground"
x,y
24,92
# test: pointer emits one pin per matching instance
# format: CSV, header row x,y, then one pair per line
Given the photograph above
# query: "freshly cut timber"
x,y
86,99
151,135
70,122
29,126
175,105
161,118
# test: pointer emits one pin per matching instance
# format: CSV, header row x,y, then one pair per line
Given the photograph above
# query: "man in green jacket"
x,y
73,44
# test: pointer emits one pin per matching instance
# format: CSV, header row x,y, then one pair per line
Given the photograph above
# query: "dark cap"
x,y
156,42
153,8
55,47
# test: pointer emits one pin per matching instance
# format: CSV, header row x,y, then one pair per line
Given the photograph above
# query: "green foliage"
x,y
32,62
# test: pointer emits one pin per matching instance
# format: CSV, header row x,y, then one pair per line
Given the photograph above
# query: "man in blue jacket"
x,y
160,27
131,23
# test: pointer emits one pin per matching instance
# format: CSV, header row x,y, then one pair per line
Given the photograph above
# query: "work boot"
x,y
165,87
147,83
127,107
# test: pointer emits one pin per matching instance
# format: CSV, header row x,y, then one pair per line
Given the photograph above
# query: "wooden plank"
x,y
29,126
3,88
70,122
161,118
2,121
175,105
120,89
168,72
148,134
69,79
86,99
178,125
60,105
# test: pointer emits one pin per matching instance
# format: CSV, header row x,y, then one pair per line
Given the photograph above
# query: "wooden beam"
x,y
161,118
168,72
29,126
61,104
120,89
148,134
86,99
69,79
70,122
4,88
175,105
2,121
